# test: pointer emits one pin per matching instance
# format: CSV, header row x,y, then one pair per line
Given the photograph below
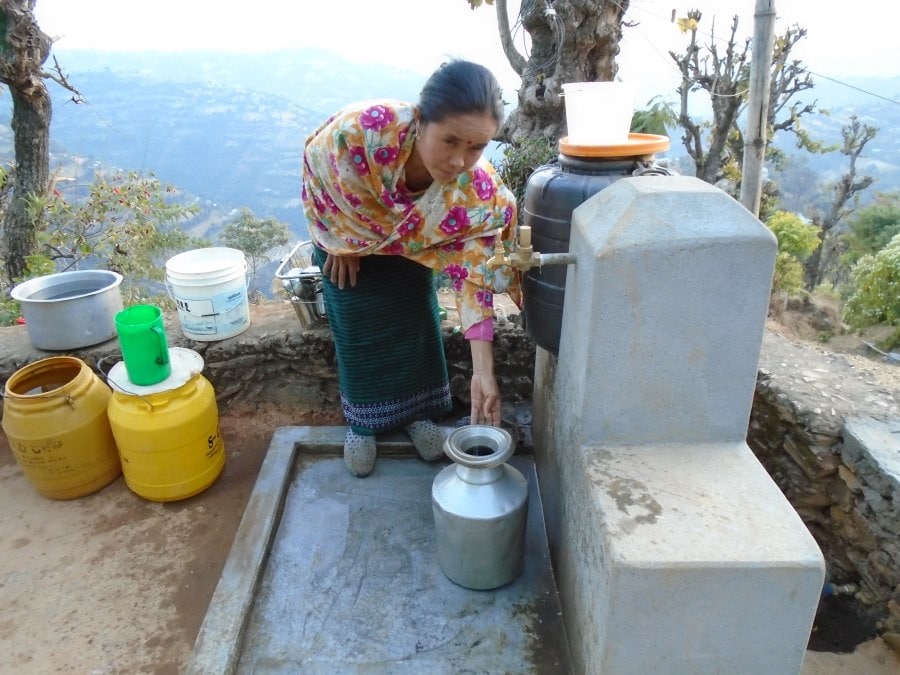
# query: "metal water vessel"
x,y
480,506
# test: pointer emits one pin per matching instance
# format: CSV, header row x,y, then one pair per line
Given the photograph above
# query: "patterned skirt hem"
x,y
385,415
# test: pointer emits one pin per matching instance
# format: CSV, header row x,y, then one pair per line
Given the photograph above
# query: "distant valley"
x,y
195,121
228,129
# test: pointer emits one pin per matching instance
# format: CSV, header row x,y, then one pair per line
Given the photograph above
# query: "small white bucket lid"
x,y
186,363
203,261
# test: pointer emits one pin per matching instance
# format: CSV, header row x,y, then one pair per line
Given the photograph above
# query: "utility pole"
x,y
758,105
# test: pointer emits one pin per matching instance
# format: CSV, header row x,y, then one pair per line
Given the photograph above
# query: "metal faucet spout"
x,y
556,259
524,257
499,258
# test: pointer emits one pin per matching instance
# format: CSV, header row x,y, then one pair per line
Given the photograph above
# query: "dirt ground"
x,y
113,583
815,321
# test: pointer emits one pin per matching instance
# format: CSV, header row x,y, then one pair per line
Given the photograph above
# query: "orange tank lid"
x,y
636,146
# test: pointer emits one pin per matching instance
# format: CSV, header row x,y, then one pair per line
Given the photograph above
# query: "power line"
x,y
859,89
710,36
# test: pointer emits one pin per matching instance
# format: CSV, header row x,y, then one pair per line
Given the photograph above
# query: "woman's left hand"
x,y
341,269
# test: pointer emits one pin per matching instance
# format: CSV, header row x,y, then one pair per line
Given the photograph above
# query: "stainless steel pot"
x,y
70,310
302,283
305,290
480,505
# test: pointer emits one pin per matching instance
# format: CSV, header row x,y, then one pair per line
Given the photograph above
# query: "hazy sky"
x,y
861,39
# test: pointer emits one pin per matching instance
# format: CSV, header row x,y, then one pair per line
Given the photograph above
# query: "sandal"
x,y
428,439
359,453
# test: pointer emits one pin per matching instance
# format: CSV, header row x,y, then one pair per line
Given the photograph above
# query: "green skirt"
x,y
392,368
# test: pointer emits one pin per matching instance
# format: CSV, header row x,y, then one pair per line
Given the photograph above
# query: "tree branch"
x,y
58,76
516,60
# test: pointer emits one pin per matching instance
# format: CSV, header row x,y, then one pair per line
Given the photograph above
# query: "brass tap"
x,y
523,256
499,258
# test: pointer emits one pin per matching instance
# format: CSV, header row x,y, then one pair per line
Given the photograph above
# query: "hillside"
x,y
875,103
228,147
228,129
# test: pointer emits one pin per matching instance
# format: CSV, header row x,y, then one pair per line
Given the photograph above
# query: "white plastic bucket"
x,y
598,113
209,286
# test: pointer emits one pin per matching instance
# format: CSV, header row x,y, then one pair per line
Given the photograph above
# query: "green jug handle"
x,y
163,357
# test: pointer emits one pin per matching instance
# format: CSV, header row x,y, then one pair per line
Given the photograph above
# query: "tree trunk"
x,y
571,41
724,75
23,50
824,263
31,128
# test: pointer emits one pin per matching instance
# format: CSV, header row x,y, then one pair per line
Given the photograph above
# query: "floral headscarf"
x,y
357,203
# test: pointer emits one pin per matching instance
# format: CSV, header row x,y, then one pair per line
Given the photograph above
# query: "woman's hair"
x,y
460,88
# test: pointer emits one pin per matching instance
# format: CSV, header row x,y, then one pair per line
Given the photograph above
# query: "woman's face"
x,y
453,145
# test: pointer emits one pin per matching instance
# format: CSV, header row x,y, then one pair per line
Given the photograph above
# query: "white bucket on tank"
x,y
209,286
598,113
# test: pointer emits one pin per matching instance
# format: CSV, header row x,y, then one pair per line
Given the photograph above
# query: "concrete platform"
x,y
331,573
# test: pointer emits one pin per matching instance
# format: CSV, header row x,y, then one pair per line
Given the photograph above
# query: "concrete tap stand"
x,y
674,550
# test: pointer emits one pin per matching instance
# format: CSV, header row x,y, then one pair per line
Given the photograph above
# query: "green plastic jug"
x,y
142,338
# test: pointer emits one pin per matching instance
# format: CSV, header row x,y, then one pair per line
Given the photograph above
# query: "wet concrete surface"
x,y
331,573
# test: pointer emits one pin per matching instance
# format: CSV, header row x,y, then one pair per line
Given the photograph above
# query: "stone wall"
x,y
275,361
827,429
826,426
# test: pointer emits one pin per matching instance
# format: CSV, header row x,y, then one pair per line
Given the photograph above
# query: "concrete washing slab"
x,y
330,573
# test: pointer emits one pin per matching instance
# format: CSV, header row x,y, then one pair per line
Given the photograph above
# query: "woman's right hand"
x,y
341,268
486,405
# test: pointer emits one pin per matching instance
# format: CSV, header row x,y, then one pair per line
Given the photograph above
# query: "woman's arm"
x,y
486,401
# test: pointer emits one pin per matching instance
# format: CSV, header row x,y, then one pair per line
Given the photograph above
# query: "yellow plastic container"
x,y
168,433
54,415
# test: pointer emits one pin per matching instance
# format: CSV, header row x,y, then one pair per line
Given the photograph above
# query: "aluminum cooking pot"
x,y
70,310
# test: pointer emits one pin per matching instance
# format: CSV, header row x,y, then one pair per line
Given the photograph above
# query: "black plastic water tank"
x,y
552,193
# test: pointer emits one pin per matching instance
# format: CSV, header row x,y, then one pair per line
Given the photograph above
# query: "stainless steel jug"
x,y
480,505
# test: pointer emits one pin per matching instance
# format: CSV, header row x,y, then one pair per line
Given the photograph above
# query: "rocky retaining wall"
x,y
827,429
826,426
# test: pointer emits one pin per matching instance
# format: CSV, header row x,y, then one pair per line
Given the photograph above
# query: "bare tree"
x,y
717,146
724,75
823,264
571,41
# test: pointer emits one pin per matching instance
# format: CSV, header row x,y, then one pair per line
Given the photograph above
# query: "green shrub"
x,y
788,274
875,289
125,223
795,237
796,242
827,290
873,228
891,342
520,160
9,311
